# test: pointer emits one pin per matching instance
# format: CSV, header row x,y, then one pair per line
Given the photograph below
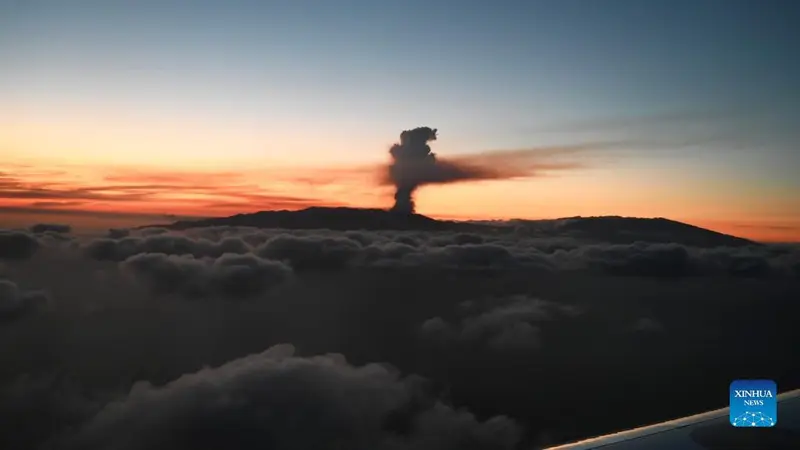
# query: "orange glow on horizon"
x,y
99,218
96,196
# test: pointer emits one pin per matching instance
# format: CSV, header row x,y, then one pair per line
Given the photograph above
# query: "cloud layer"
x,y
500,324
152,338
328,250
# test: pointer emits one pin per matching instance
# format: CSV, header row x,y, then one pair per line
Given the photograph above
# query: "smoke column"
x,y
410,158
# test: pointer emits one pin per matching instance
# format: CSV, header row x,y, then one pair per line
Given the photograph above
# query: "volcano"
x,y
611,229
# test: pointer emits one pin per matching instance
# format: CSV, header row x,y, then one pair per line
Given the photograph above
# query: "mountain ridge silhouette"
x,y
609,229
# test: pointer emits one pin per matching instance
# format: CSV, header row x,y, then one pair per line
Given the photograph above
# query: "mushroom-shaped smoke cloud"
x,y
412,158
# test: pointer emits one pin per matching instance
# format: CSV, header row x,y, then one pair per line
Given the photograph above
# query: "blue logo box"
x,y
753,403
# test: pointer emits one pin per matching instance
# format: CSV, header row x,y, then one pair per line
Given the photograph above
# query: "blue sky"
x,y
487,65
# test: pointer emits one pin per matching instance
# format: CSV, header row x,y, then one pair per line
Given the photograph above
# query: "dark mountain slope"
x,y
617,229
611,229
329,218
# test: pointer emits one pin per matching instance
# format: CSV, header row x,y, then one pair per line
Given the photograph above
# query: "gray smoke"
x,y
414,165
410,157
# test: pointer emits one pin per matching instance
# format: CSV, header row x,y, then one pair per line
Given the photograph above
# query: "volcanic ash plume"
x,y
413,165
411,157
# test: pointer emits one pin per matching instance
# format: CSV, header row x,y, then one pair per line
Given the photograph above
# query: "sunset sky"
x,y
117,113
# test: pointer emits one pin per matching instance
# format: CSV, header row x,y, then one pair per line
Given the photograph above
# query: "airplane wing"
x,y
707,431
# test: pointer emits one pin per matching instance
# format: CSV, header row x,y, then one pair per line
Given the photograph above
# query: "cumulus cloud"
x,y
15,302
311,252
280,401
327,250
230,275
109,249
17,244
511,323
